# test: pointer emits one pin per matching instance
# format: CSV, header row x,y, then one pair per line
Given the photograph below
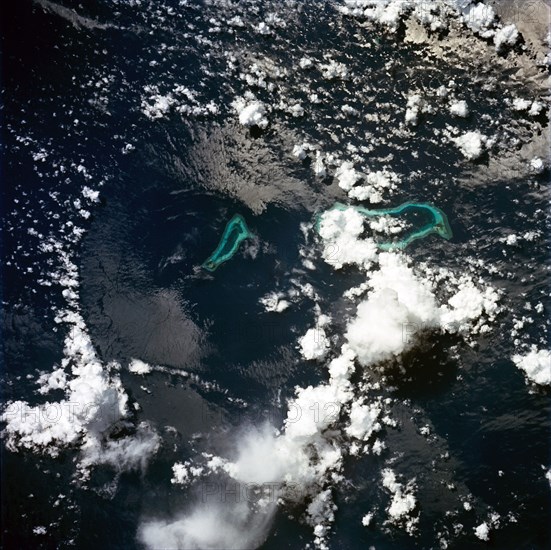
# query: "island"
x,y
439,222
235,233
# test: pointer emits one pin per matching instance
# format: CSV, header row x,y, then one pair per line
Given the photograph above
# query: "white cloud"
x,y
414,107
366,520
275,302
94,401
137,366
399,305
471,144
507,35
132,452
228,525
55,380
314,344
467,304
459,108
482,531
536,365
347,176
340,231
480,18
378,332
363,420
403,501
252,114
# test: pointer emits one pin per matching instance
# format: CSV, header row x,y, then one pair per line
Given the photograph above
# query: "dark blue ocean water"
x,y
163,208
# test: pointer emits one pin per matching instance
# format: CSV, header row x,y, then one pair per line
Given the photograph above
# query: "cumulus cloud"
x,y
399,306
402,304
314,344
472,144
305,458
403,501
377,332
138,366
214,526
251,114
94,401
340,231
536,365
132,452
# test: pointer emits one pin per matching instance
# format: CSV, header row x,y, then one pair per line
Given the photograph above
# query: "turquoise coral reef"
x,y
235,233
439,223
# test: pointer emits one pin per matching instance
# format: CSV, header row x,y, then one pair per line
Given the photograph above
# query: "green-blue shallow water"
x,y
235,233
439,223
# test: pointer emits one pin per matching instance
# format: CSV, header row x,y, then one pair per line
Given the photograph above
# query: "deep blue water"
x,y
163,208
